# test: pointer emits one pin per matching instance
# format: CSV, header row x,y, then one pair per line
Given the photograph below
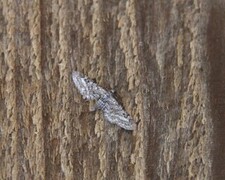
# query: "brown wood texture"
x,y
164,59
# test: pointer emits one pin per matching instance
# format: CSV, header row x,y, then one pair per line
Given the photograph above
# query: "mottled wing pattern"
x,y
112,111
87,88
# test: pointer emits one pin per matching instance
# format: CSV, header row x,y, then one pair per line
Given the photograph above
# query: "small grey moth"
x,y
112,111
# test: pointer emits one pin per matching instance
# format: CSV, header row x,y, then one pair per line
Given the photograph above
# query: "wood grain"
x,y
163,59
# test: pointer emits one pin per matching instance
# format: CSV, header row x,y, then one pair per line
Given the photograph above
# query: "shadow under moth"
x,y
112,110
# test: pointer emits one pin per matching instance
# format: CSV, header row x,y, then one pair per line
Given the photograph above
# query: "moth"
x,y
112,110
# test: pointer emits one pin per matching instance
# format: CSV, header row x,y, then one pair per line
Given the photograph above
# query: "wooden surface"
x,y
165,61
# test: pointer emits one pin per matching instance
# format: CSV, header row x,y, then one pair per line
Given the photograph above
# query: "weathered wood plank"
x,y
163,59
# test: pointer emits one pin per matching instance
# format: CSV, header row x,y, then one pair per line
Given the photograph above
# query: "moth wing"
x,y
115,114
120,120
87,88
